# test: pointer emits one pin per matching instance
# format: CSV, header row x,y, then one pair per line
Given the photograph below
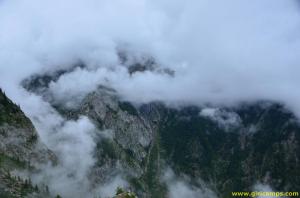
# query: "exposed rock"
x,y
130,130
229,149
20,149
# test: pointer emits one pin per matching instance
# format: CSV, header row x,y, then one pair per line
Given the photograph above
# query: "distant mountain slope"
x,y
20,149
230,149
264,147
221,149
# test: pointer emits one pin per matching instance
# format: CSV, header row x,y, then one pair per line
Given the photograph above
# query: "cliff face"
x,y
262,146
20,150
127,137
229,149
223,149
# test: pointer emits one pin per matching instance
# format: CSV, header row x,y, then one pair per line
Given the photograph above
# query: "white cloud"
x,y
264,189
222,53
179,187
109,188
223,118
73,143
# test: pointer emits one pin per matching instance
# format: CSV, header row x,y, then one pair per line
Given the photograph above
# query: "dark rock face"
x,y
20,149
235,160
128,136
230,149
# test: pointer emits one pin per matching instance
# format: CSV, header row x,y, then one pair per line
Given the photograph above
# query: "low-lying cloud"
x,y
221,52
180,187
74,144
225,119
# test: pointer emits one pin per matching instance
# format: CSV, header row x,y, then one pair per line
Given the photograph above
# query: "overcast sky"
x,y
221,51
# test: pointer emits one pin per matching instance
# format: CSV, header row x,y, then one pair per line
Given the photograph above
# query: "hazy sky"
x,y
222,52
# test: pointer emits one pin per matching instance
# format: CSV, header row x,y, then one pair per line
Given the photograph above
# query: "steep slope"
x,y
231,149
20,150
127,137
222,149
263,148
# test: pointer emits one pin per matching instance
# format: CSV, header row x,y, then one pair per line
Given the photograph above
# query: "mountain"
x,y
215,149
261,145
20,150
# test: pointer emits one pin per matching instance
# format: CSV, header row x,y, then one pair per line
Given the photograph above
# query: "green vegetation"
x,y
154,172
109,149
128,107
234,160
11,113
121,193
11,117
10,163
18,187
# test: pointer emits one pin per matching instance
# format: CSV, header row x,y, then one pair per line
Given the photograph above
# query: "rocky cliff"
x,y
217,148
20,151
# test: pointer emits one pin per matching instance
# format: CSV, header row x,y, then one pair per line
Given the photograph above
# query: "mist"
x,y
221,52
74,143
180,187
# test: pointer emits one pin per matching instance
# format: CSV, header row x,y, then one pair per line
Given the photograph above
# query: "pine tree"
x,y
47,189
36,188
